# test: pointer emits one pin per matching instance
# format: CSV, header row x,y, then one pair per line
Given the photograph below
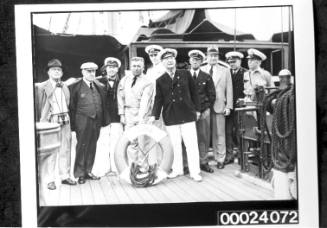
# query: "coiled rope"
x,y
141,178
284,130
282,137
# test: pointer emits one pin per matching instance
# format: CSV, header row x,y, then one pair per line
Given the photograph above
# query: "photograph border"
x,y
305,102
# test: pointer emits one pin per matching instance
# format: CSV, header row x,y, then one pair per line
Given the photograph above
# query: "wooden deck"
x,y
222,185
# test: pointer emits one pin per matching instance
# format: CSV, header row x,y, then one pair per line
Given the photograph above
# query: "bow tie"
x,y
111,80
59,84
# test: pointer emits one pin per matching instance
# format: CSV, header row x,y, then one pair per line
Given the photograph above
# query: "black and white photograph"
x,y
168,105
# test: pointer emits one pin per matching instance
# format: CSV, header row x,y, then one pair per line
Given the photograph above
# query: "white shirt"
x,y
87,82
58,99
196,72
171,73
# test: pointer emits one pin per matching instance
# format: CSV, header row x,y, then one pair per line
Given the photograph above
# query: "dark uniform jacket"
x,y
79,104
111,100
178,98
238,84
206,90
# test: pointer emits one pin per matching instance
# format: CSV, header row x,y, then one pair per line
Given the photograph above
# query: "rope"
x,y
266,106
283,125
147,180
283,130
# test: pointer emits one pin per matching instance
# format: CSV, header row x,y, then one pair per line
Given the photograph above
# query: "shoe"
x,y
174,175
81,180
229,160
91,176
197,178
69,181
220,165
206,168
52,186
111,173
186,170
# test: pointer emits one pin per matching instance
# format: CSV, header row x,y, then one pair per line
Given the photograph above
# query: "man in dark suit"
x,y
234,59
176,94
87,114
207,96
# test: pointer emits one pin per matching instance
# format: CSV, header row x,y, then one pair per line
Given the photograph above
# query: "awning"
x,y
72,50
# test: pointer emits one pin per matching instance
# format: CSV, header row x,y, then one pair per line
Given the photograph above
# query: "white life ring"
x,y
158,135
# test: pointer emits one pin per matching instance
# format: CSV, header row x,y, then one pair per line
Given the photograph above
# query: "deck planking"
x,y
220,186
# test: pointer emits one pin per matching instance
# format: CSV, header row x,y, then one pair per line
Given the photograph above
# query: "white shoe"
x,y
197,178
161,175
174,175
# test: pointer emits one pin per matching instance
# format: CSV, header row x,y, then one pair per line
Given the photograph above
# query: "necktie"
x,y
211,71
134,80
194,76
91,85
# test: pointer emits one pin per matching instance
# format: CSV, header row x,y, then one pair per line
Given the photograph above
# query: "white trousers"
x,y
104,158
284,185
187,132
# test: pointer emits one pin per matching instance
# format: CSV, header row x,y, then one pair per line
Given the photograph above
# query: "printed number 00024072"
x,y
258,217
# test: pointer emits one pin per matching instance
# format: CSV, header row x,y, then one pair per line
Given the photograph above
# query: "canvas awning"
x,y
190,25
72,50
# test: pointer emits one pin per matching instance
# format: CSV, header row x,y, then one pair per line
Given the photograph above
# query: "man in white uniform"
x,y
256,76
157,69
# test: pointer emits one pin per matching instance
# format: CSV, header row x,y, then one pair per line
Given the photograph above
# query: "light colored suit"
x,y
48,98
135,103
224,99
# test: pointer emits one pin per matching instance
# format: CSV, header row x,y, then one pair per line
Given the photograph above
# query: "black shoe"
x,y
91,176
52,186
220,165
186,170
68,181
229,160
206,168
81,180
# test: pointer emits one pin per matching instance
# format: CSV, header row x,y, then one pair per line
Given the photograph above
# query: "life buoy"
x,y
158,135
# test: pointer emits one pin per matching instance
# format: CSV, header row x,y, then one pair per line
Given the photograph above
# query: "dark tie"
x,y
134,80
211,71
91,85
59,84
194,76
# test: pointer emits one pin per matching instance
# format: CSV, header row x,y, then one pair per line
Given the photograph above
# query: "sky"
x,y
261,22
